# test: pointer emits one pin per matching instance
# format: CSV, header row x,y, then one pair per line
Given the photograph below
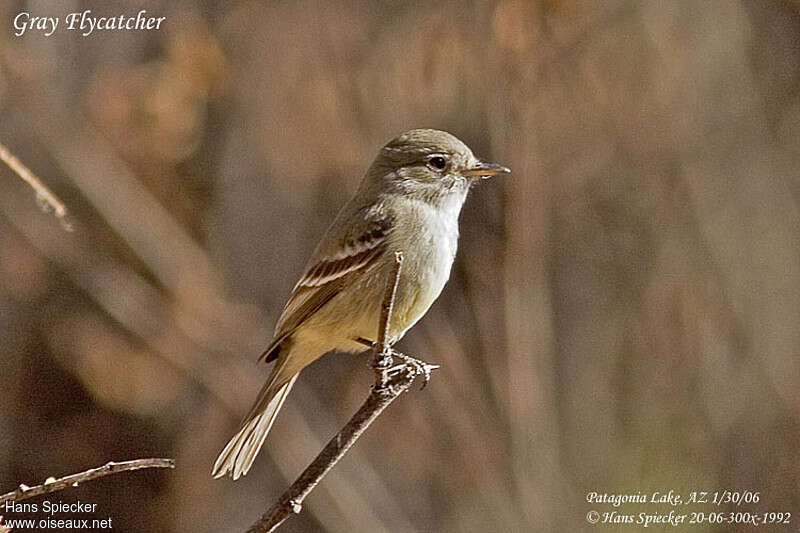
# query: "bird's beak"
x,y
485,170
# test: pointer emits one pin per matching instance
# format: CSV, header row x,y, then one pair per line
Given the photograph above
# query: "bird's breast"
x,y
429,244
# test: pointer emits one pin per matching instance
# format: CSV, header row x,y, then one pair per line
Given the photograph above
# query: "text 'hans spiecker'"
x,y
85,23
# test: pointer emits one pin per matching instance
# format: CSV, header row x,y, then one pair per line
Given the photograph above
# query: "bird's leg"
x,y
382,359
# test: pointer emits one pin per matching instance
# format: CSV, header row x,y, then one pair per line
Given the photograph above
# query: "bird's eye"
x,y
437,162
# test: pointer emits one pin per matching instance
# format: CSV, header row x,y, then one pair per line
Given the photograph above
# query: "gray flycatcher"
x,y
409,202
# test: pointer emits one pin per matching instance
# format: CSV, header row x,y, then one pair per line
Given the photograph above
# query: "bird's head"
x,y
429,164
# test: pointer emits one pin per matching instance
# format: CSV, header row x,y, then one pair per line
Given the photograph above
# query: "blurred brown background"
x,y
623,315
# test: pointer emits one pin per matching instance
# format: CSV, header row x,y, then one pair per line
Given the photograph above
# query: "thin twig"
x,y
44,196
52,485
388,386
383,351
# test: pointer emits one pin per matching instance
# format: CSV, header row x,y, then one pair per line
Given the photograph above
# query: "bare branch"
x,y
383,357
44,196
389,384
52,485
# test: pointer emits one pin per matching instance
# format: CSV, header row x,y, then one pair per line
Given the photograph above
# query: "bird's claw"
x,y
415,367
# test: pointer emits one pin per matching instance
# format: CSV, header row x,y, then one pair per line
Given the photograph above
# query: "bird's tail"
x,y
238,455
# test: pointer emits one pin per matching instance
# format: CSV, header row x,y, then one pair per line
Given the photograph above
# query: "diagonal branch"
x,y
52,485
389,384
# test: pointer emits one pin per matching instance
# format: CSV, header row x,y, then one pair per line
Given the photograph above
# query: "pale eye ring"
x,y
437,162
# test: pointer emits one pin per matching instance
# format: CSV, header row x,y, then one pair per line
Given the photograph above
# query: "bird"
x,y
409,201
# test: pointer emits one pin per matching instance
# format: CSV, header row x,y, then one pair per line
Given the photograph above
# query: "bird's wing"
x,y
325,277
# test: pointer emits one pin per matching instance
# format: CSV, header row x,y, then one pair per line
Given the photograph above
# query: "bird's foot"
x,y
416,367
383,360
